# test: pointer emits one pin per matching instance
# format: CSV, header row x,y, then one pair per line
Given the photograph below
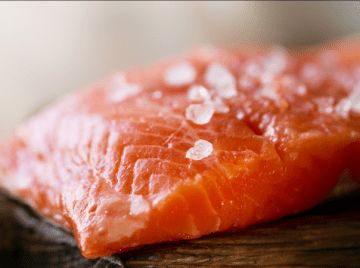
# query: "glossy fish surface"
x,y
213,140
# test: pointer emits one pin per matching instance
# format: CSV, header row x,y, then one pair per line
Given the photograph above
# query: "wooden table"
x,y
327,236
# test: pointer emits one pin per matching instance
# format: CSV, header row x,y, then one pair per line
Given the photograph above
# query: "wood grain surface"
x,y
326,236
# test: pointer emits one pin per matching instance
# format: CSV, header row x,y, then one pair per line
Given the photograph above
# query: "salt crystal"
x,y
343,108
354,99
270,131
121,90
180,74
351,103
312,74
221,80
269,92
325,104
201,150
228,91
290,83
219,106
240,115
138,205
198,93
276,61
200,114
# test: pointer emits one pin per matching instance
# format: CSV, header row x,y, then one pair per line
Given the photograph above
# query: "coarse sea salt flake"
x,y
201,150
325,104
240,115
312,74
221,80
354,99
121,90
269,92
343,108
198,93
180,74
276,61
138,205
200,114
290,83
219,106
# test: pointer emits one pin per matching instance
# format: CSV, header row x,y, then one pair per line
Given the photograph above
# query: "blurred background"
x,y
49,48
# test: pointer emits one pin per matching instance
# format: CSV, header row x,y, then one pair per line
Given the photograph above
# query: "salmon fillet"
x,y
213,140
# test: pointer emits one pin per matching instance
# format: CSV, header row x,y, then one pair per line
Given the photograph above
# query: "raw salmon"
x,y
213,140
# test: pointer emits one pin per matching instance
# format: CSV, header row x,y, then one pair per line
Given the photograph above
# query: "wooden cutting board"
x,y
326,236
